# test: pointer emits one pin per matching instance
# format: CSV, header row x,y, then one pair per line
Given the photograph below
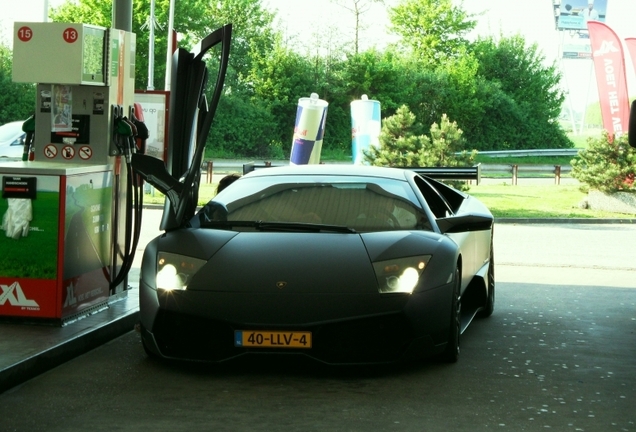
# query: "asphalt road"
x,y
558,354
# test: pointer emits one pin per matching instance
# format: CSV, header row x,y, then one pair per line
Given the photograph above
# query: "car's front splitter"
x,y
387,329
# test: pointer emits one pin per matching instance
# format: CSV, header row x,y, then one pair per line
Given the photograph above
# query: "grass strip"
x,y
503,200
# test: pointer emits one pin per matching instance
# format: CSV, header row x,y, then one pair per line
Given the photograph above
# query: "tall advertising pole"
x,y
151,49
122,15
45,11
571,18
170,46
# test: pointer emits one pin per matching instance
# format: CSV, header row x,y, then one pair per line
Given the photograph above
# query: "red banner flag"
x,y
631,48
611,79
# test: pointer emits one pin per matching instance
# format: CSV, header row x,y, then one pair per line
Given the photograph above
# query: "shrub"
x,y
607,165
402,145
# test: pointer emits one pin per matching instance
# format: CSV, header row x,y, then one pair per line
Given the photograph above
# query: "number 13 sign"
x,y
70,35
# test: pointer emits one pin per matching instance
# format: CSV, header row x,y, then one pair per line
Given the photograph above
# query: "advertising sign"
x,y
574,14
87,254
309,130
631,48
365,127
577,47
28,245
155,115
611,79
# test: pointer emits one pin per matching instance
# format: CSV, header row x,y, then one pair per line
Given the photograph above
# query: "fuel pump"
x,y
86,201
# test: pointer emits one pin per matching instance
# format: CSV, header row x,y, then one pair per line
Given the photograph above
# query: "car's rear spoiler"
x,y
438,173
450,173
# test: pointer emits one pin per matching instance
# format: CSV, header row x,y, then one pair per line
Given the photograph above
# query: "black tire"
x,y
451,352
489,308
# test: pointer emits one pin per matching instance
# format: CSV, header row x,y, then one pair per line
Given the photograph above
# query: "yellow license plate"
x,y
272,339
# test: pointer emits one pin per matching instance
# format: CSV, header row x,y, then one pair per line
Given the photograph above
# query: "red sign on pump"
x,y
70,35
25,33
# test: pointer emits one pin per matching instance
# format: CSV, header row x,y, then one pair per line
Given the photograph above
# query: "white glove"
x,y
16,219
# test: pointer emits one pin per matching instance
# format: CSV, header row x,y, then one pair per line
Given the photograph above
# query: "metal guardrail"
x,y
505,168
237,164
514,170
226,166
537,152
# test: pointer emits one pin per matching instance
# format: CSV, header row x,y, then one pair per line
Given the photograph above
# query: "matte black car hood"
x,y
289,262
304,262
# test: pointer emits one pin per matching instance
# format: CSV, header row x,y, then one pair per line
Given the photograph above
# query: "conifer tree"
x,y
402,144
608,164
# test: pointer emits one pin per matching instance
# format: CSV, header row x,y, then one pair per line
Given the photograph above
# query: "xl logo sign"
x,y
15,296
606,48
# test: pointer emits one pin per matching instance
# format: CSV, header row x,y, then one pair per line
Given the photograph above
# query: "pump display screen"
x,y
93,55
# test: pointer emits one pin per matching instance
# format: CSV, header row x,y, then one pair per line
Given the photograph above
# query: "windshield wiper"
x,y
277,226
300,226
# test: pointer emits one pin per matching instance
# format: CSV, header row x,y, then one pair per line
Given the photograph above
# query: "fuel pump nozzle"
x,y
142,130
29,128
124,133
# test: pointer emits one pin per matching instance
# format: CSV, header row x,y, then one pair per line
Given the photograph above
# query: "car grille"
x,y
365,340
194,338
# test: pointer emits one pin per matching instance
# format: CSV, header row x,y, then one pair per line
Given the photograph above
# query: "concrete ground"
x,y
557,354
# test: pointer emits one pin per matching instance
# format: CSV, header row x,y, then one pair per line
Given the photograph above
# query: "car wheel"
x,y
451,352
489,308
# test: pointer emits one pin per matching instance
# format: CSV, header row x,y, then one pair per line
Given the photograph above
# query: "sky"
x,y
312,23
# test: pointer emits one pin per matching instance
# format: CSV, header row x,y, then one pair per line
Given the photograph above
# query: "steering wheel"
x,y
384,217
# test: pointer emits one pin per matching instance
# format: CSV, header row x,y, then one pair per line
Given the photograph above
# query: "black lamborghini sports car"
x,y
343,264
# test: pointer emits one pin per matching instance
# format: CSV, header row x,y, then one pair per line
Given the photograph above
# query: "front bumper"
x,y
357,329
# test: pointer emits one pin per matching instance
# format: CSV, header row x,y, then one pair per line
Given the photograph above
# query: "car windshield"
x,y
359,203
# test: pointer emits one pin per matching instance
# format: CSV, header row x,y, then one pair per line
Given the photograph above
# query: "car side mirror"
x,y
465,223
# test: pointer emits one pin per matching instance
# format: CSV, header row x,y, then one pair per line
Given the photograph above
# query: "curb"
x,y
565,221
35,365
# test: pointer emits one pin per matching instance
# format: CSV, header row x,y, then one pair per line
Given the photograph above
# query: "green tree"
x,y
243,129
607,165
253,34
357,8
279,78
99,13
402,144
401,141
193,20
435,30
17,100
529,95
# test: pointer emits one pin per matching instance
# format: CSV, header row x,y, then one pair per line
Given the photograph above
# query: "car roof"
x,y
14,124
332,169
14,127
10,131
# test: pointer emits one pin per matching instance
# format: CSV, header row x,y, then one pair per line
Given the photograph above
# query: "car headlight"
x,y
175,271
400,275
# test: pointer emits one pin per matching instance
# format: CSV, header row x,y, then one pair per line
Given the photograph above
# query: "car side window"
x,y
19,141
434,199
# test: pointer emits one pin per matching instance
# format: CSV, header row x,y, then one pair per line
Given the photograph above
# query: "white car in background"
x,y
12,140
